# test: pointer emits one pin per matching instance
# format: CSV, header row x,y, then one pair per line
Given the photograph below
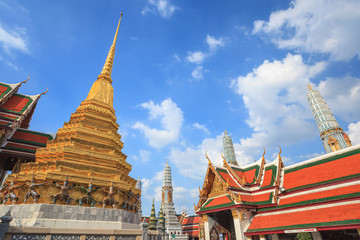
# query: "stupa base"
x,y
53,216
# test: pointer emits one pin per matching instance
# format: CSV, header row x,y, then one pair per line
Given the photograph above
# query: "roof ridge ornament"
x,y
43,93
26,80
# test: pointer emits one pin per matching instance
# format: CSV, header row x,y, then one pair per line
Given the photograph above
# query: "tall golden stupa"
x,y
84,164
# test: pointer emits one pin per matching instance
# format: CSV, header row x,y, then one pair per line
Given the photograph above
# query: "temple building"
x,y
172,225
83,167
332,135
17,143
266,200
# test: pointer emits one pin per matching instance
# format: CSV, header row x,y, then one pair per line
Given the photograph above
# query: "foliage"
x,y
304,236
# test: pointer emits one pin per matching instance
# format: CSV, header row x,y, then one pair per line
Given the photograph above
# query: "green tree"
x,y
304,236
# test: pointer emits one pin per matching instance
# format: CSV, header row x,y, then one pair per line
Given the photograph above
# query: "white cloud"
x,y
201,127
171,119
144,155
214,43
196,57
354,133
146,183
342,95
13,40
275,97
192,162
163,7
198,73
322,26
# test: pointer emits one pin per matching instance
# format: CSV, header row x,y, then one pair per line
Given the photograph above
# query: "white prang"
x,y
172,225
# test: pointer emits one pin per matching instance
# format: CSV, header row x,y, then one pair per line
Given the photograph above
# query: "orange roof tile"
x,y
318,217
17,103
321,171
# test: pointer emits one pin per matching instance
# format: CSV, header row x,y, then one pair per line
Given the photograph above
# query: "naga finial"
x,y
280,150
43,93
26,79
264,152
207,158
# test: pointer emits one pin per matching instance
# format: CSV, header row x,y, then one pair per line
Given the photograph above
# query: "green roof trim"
x,y
24,108
36,133
6,91
329,159
319,200
256,167
261,202
273,175
307,225
225,171
20,149
324,182
204,208
7,118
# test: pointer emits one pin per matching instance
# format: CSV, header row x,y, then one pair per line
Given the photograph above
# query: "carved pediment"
x,y
217,188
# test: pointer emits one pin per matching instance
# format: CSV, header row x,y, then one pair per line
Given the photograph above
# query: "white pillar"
x,y
207,230
358,231
262,237
316,236
238,233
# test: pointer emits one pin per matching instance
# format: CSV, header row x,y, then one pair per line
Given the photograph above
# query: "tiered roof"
x,y
255,186
190,225
321,193
16,111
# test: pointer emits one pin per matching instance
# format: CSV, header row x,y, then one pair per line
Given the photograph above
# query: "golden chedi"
x,y
84,164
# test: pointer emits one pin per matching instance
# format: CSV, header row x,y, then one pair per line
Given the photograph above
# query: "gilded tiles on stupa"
x,y
85,161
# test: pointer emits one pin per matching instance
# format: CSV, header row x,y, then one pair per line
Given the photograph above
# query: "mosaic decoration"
x,y
28,237
65,237
97,237
127,237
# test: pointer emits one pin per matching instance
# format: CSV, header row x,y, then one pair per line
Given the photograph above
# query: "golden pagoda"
x,y
85,160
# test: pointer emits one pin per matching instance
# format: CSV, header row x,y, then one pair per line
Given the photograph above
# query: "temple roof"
x,y
321,217
16,111
321,193
190,225
253,185
271,187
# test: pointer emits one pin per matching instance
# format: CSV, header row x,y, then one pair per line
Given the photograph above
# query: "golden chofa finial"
x,y
225,132
309,87
107,69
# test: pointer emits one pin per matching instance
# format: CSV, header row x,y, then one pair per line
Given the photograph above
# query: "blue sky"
x,y
185,71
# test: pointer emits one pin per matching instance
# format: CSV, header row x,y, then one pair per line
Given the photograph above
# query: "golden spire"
x,y
106,71
101,90
308,86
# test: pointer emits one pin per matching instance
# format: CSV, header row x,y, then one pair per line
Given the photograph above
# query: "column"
x,y
262,237
237,216
316,236
206,227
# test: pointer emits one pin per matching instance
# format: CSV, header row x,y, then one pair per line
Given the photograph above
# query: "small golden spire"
x,y
107,69
309,87
225,132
